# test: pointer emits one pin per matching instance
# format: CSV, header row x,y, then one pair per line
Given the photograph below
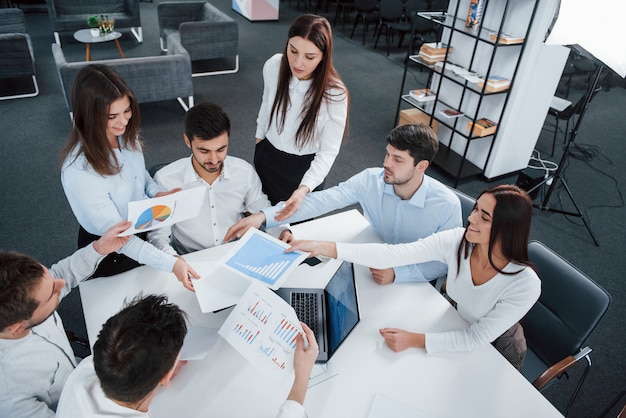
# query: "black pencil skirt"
x,y
279,171
113,263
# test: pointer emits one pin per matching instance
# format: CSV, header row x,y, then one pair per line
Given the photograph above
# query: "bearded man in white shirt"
x,y
233,188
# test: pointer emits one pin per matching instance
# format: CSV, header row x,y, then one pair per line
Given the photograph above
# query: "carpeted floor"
x,y
35,217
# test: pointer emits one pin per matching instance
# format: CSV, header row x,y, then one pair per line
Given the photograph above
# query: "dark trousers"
x,y
113,263
279,171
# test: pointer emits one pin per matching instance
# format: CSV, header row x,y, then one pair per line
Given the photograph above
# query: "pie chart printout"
x,y
153,216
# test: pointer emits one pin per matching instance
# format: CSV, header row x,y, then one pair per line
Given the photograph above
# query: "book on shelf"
x,y
474,14
495,83
482,127
435,48
451,113
431,59
423,95
506,38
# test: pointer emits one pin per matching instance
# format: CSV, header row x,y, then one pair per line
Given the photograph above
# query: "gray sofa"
x,y
17,60
203,30
152,79
71,15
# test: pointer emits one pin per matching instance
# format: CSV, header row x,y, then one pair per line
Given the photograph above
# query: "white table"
x,y
474,384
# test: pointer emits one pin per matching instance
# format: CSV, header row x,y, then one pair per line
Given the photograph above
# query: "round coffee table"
x,y
84,36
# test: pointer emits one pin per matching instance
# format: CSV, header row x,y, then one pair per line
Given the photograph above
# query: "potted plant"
x,y
94,23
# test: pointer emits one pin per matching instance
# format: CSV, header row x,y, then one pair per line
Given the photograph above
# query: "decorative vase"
x,y
95,32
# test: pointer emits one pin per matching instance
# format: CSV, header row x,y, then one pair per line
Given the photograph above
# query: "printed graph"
x,y
263,259
287,332
153,215
245,333
260,311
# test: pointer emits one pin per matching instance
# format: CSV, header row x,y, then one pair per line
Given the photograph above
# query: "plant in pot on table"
x,y
94,24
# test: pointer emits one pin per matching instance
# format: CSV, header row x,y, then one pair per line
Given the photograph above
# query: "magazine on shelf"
x,y
451,113
423,95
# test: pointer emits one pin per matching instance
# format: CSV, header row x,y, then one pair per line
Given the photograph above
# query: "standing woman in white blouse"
x,y
103,169
490,278
303,115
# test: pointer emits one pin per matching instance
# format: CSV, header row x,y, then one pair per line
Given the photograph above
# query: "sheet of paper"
x,y
198,342
263,328
383,407
260,257
158,212
218,287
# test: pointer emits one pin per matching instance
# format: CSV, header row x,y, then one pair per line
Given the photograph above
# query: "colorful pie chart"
x,y
152,216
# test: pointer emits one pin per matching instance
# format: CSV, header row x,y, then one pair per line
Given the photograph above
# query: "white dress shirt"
x,y
83,397
235,191
329,127
99,202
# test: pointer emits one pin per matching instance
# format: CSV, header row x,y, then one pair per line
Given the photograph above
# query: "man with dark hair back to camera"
x,y
35,355
137,352
401,202
232,186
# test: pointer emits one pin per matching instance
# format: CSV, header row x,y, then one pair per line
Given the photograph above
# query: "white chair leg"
x,y
186,106
57,39
163,48
137,33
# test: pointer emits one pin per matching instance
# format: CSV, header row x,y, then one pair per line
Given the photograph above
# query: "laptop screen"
x,y
343,311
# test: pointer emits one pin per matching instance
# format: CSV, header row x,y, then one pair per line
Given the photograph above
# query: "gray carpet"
x,y
35,217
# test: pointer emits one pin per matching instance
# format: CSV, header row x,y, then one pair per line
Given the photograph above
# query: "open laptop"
x,y
332,312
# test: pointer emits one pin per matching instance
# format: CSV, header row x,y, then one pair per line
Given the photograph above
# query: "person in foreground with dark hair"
x,y
35,354
137,352
402,203
490,278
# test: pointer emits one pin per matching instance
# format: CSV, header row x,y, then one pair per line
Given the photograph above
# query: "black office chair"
x,y
570,112
467,204
412,23
391,11
366,12
557,326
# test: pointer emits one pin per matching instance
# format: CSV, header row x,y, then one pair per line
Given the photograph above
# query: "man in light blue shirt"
x,y
399,200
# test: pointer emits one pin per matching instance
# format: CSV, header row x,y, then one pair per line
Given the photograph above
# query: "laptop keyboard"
x,y
305,305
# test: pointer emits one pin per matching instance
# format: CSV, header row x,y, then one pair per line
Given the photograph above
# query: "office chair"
x,y
390,11
366,11
567,114
557,326
413,24
467,204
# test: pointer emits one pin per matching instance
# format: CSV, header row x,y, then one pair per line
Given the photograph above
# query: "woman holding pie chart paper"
x,y
103,169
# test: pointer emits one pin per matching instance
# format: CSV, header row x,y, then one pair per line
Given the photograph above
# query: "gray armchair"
x,y
17,61
71,15
151,79
203,30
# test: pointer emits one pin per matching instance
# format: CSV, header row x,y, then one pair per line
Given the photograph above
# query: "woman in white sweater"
x,y
490,278
302,119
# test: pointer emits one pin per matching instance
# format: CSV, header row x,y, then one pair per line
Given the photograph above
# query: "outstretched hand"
x,y
314,248
293,203
184,273
110,242
399,340
241,226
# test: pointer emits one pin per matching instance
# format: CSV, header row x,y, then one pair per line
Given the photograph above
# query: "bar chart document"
x,y
263,328
261,257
